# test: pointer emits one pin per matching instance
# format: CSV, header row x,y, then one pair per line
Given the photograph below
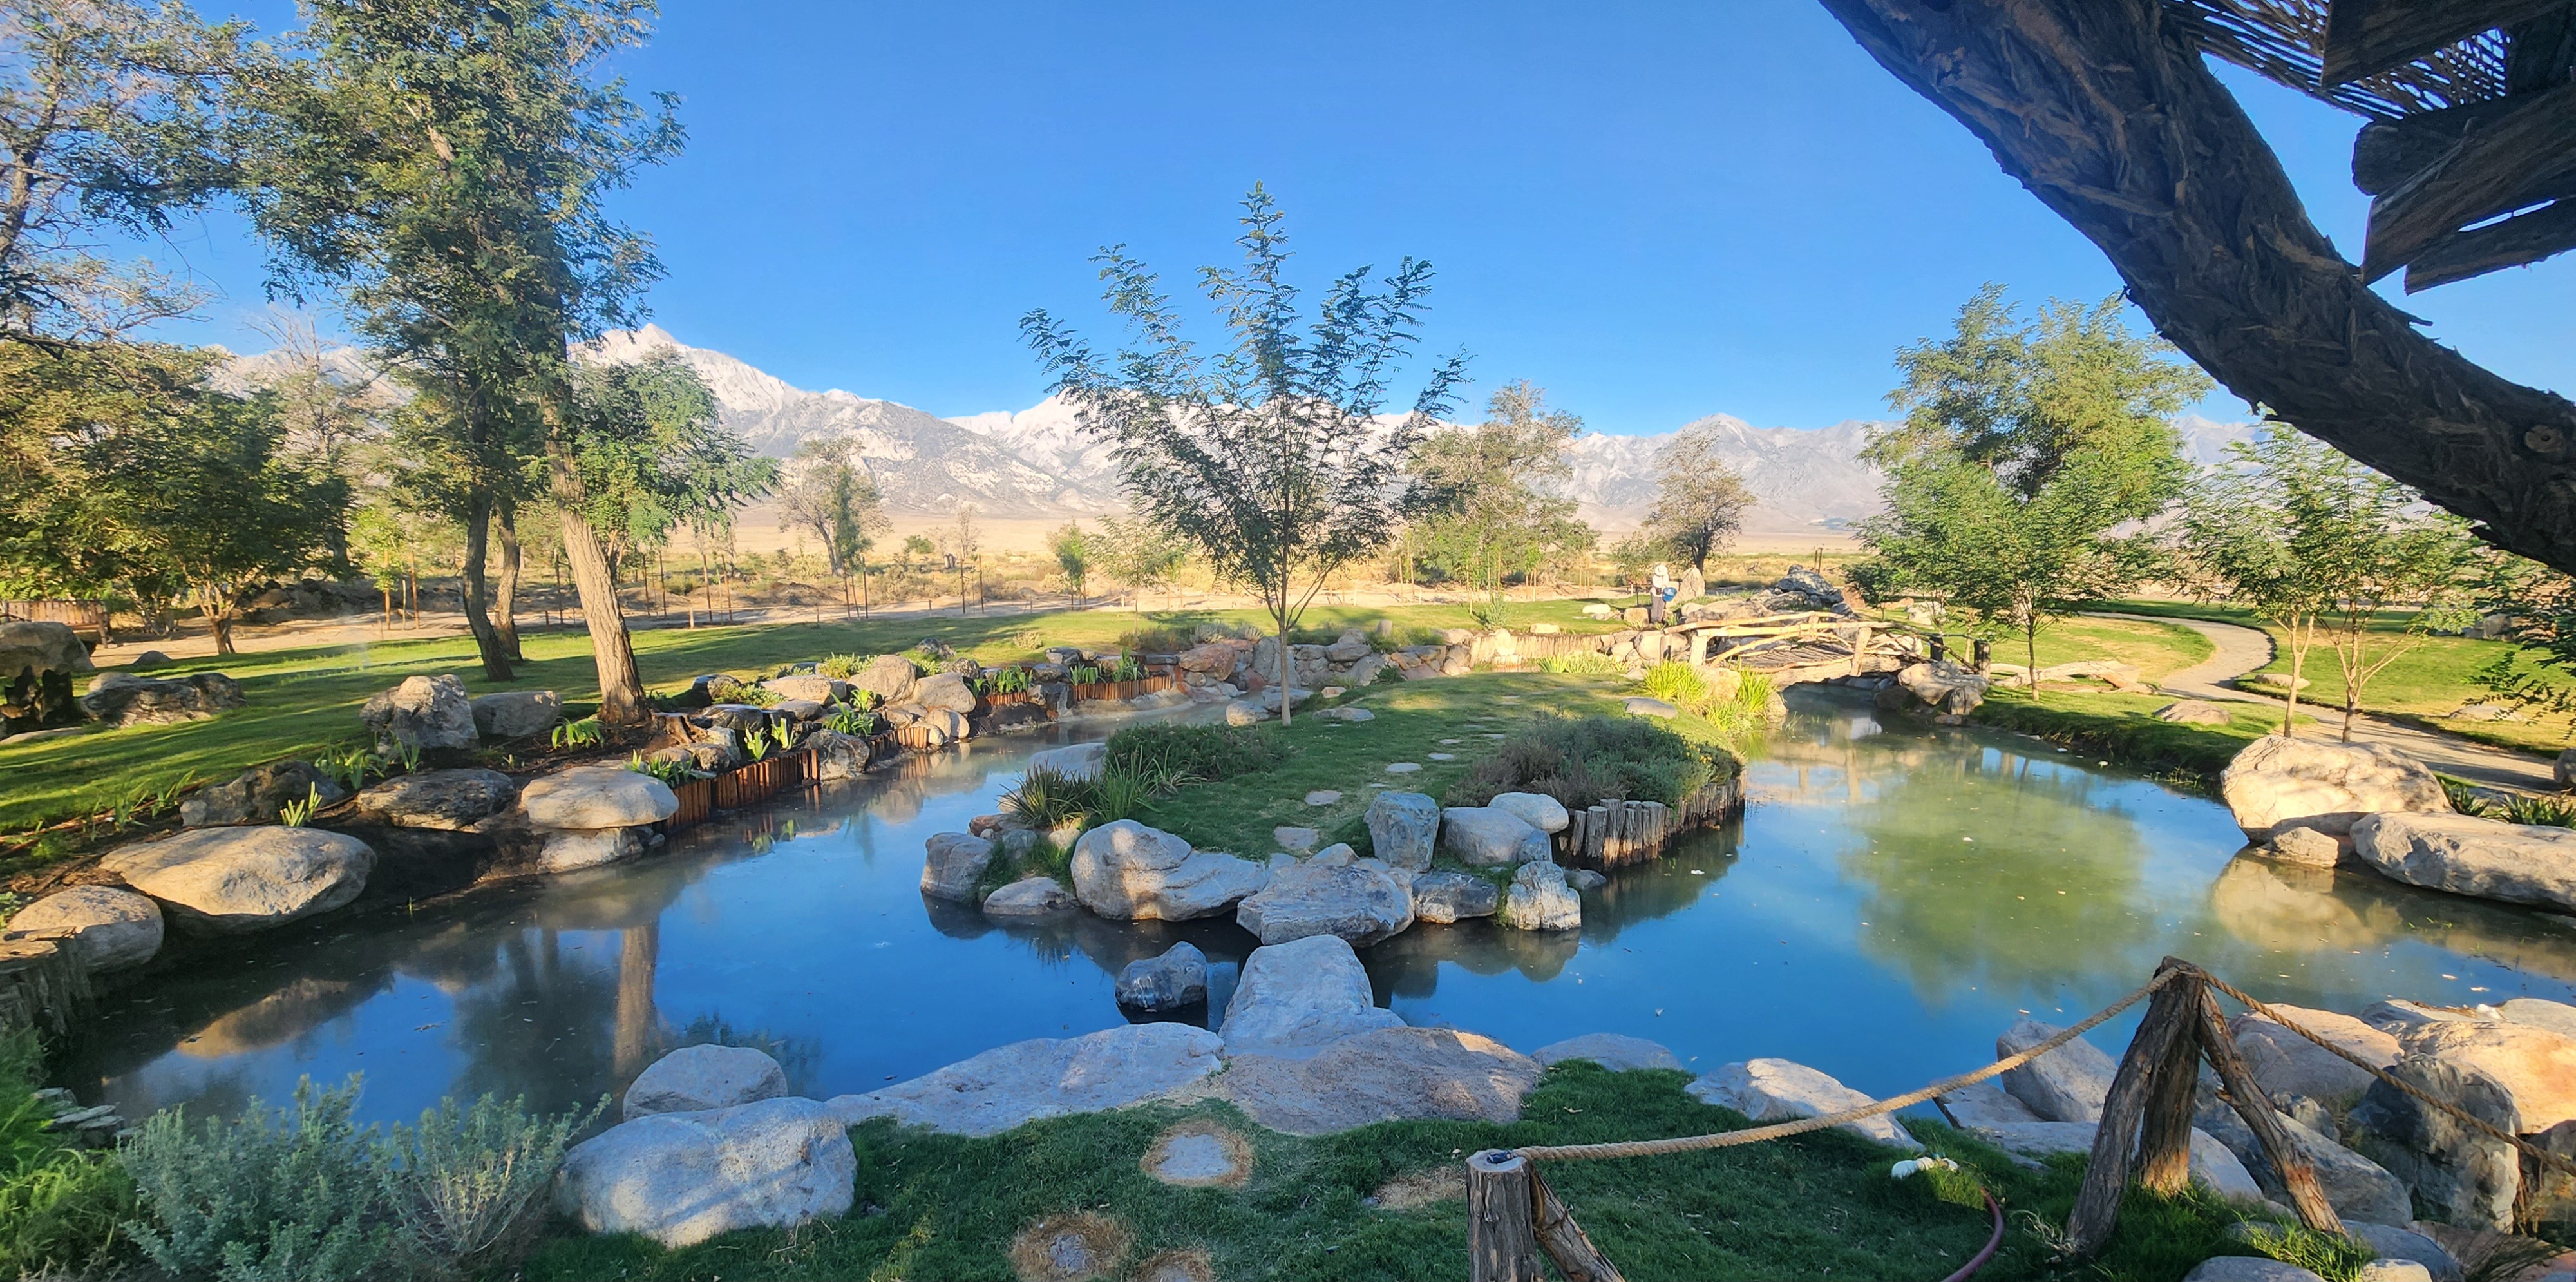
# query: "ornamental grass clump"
x,y
1582,761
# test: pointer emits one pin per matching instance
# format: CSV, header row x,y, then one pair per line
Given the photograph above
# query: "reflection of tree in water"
x,y
1962,858
544,1029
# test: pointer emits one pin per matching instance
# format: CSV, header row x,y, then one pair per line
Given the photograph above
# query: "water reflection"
x,y
1892,899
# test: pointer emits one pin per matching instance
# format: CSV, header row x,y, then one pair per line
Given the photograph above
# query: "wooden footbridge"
x,y
1793,649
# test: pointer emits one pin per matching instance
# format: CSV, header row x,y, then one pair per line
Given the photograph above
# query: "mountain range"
x,y
1037,464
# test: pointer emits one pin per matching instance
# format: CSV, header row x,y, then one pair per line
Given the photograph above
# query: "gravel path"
x,y
2243,649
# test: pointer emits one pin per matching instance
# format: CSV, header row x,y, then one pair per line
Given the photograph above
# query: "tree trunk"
x,y
2030,653
2290,708
219,617
478,619
1280,615
621,688
505,620
2107,112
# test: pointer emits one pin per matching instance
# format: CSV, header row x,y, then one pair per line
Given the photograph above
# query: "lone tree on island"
x,y
1272,457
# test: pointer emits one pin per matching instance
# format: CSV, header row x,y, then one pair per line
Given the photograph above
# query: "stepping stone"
x,y
1404,767
1446,742
1199,1155
1322,797
1299,840
1444,756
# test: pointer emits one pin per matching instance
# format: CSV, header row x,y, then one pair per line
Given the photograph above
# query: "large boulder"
x,y
1955,690
1360,901
110,928
573,849
1073,761
946,692
1171,981
1383,1075
2465,1176
1540,900
1484,837
2213,1167
2466,855
1352,646
2326,786
119,699
2557,1017
33,648
694,1079
516,714
890,677
1614,1051
1213,658
1537,809
1776,1090
1294,998
2284,1063
2065,1085
837,756
2535,1066
229,881
809,687
1031,896
1135,873
1445,897
259,795
681,1178
450,799
1045,1077
955,861
2357,1188
427,713
591,797
1402,827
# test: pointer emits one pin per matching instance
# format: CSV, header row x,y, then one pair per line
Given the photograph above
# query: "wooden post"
x,y
1564,1240
2256,1108
2097,1202
1860,651
1502,1224
1596,835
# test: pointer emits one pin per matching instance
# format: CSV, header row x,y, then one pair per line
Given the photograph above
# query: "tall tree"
x,y
445,163
2319,543
1271,458
1072,550
1699,498
1140,554
648,455
2029,451
1493,490
829,490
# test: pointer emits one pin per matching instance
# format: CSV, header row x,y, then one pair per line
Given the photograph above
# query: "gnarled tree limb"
x,y
2105,111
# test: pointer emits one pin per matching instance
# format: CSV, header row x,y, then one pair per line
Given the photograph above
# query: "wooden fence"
x,y
1617,833
80,616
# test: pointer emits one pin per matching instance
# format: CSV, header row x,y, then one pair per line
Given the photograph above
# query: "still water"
x,y
1893,898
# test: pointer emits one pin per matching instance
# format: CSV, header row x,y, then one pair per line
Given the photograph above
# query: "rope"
x,y
1800,1126
2529,1149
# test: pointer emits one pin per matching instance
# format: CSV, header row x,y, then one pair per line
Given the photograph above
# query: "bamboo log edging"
x,y
1616,833
44,986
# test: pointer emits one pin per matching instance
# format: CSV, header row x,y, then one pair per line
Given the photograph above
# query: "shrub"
x,y
1679,684
463,1187
1589,663
286,1195
669,772
858,722
1203,754
59,1206
1047,798
1584,760
840,666
1160,639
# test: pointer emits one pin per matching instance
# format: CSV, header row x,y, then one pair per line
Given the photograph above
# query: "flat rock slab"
x,y
2065,1085
592,797
1985,1104
1614,1051
1044,1077
1199,1155
681,1178
1404,767
694,1079
448,799
1292,999
1296,840
1390,1074
1322,797
2212,1166
110,928
229,881
2466,855
1777,1090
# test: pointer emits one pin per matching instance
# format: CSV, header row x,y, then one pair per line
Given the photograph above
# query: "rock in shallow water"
x,y
1361,902
2466,855
951,865
2328,785
1044,1077
1540,900
1296,997
693,1079
1445,897
1131,872
1173,980
110,928
681,1178
1033,896
234,880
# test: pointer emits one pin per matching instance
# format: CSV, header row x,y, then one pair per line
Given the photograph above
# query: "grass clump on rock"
x,y
1582,761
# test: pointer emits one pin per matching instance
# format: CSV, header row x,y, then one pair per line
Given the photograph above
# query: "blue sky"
x,y
1656,211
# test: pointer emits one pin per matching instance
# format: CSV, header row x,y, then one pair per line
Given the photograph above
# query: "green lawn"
x,y
2123,728
2157,650
931,1208
2426,685
303,700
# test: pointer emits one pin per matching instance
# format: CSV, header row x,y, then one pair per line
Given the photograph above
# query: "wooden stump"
x,y
44,986
1502,1221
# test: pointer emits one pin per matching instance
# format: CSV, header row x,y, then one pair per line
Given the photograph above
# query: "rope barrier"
x,y
1782,1130
2534,1151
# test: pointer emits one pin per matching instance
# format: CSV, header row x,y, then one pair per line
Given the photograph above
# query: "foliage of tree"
x,y
443,165
1072,550
1699,499
2538,674
1140,554
1269,458
2030,451
916,545
113,117
1492,491
829,490
2318,543
649,455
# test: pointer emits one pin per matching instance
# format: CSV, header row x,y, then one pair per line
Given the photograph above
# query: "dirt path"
x,y
2242,650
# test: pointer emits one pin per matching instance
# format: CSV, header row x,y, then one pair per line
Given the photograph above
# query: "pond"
x,y
1893,898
